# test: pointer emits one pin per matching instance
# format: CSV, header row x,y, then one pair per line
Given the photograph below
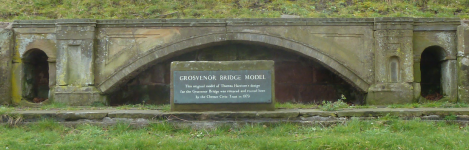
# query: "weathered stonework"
x,y
463,62
75,63
393,40
378,56
6,45
298,79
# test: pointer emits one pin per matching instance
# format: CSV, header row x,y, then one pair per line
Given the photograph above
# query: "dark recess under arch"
x,y
36,76
430,68
299,79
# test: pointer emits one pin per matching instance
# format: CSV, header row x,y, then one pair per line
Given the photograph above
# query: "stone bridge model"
x,y
376,61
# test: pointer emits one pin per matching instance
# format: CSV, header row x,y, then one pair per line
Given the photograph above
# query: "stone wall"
x,y
316,58
5,62
297,79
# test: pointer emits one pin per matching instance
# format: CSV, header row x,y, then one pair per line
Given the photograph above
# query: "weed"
x,y
5,110
165,107
54,105
451,117
389,117
98,104
362,106
332,106
8,117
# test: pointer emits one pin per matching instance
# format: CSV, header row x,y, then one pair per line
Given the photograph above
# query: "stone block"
x,y
417,91
463,80
449,80
78,96
390,93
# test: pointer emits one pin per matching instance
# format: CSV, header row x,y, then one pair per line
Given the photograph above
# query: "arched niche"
x,y
394,69
432,72
35,79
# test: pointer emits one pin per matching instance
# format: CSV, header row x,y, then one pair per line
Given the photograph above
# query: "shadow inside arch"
x,y
35,78
163,53
299,78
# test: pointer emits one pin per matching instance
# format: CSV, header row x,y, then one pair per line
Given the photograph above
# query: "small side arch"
x,y
160,53
35,78
394,69
432,72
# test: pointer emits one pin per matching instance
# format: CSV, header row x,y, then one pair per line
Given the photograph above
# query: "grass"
x,y
432,104
354,134
331,106
62,106
289,105
5,110
165,107
326,106
150,9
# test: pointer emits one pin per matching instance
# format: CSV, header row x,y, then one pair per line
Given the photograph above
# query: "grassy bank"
x,y
148,9
355,134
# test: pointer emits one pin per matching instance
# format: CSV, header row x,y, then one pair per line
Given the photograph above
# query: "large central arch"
x,y
160,53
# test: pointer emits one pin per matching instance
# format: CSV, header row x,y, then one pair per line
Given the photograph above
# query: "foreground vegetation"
x,y
355,134
148,9
326,106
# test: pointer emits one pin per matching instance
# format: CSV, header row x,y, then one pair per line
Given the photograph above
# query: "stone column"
x,y
393,62
463,62
52,77
75,63
6,36
449,80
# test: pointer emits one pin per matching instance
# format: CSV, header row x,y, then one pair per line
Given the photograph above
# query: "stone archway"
x,y
431,67
298,78
35,76
124,74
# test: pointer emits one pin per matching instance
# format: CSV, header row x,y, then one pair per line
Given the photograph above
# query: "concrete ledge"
x,y
279,115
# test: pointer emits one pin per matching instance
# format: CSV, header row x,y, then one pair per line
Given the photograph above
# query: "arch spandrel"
x,y
123,74
27,41
444,39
